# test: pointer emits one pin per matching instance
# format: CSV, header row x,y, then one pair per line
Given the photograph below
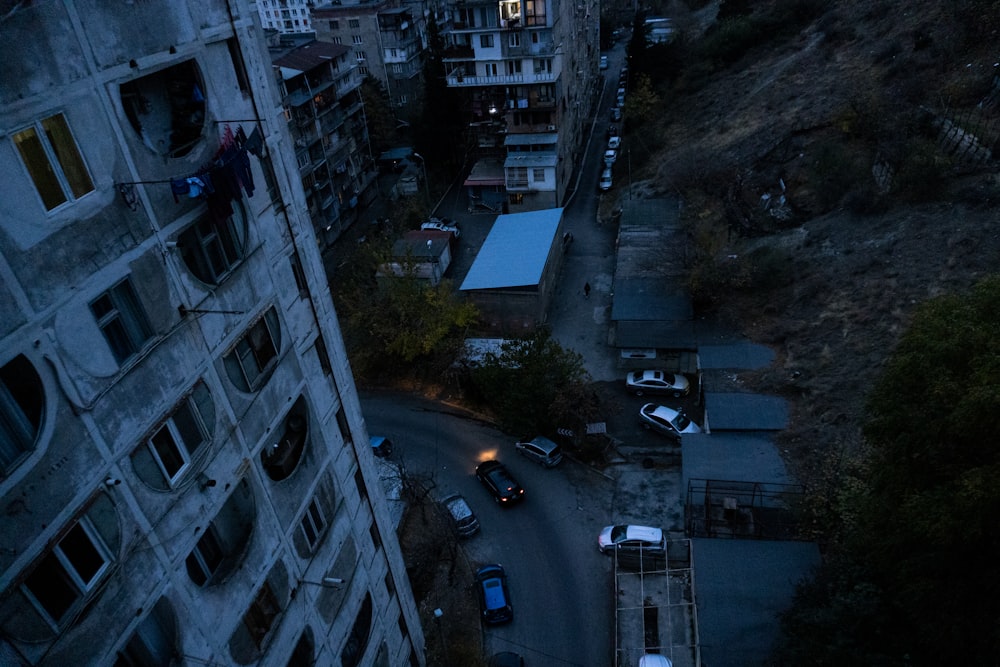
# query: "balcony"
x,y
462,80
456,52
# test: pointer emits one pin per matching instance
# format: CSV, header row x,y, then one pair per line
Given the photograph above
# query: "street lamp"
x,y
423,165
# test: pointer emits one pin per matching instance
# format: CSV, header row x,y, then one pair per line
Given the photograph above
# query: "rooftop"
x,y
515,252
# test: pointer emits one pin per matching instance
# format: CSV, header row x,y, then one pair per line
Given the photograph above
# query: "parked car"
x,y
667,421
610,156
540,450
442,226
657,382
620,100
654,660
605,182
604,62
614,143
506,659
631,538
463,519
612,131
499,482
616,114
381,446
494,598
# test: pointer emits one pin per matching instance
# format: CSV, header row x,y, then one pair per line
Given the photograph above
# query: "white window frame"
x,y
181,447
356,39
83,588
199,559
55,165
126,308
316,520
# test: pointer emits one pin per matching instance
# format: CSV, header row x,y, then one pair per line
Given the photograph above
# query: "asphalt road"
x,y
548,543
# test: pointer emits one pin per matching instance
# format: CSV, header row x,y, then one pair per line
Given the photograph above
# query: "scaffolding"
x,y
655,609
746,510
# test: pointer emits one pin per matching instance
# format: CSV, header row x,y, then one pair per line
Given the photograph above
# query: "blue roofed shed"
x,y
512,278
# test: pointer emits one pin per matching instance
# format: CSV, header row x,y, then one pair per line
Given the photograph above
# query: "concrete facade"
x,y
530,71
286,16
184,467
320,87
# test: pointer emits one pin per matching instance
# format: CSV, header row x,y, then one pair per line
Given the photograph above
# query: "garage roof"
x,y
515,252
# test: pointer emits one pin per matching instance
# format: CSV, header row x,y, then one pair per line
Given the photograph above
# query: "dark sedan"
x,y
499,482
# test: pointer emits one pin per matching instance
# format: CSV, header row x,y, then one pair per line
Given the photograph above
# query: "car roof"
x,y
542,443
376,440
644,533
660,411
458,507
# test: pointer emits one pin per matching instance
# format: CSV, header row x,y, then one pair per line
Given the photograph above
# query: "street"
x,y
548,543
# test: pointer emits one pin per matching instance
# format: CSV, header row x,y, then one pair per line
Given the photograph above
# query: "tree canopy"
x,y
535,385
916,580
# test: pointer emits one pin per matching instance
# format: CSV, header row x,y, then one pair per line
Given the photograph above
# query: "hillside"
x,y
879,128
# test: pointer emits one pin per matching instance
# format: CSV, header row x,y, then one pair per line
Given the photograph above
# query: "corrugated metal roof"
x,y
535,139
308,56
514,253
530,160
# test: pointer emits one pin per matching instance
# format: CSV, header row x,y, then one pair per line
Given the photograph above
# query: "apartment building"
x,y
320,90
529,68
387,40
286,16
184,468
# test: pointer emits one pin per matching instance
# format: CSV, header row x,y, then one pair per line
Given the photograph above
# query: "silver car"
x,y
657,382
667,421
540,450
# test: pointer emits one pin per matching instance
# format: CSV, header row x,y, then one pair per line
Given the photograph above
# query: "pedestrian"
x,y
586,290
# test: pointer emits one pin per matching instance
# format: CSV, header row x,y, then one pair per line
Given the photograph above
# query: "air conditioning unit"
x,y
550,128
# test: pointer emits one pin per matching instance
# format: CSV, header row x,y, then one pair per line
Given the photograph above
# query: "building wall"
x,y
184,456
285,16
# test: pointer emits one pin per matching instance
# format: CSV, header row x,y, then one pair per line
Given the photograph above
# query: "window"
x,y
153,642
360,55
281,458
122,320
535,38
345,428
515,39
401,100
353,24
53,161
69,572
255,353
537,175
517,176
363,71
211,249
206,557
21,402
298,273
486,41
176,442
357,640
261,614
356,39
167,108
313,524
238,68
397,68
513,67
334,25
324,357
337,40
359,481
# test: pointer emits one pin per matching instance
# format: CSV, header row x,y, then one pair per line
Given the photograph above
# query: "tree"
x,y
438,136
924,536
397,323
534,385
643,103
380,120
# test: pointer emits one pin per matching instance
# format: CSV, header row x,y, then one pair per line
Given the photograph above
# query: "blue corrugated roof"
x,y
514,253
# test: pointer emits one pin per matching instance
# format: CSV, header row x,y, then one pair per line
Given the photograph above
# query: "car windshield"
x,y
681,422
618,534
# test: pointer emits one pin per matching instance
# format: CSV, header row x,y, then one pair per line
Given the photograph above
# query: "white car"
x,y
669,422
631,538
610,156
605,182
614,143
604,62
657,382
654,660
442,226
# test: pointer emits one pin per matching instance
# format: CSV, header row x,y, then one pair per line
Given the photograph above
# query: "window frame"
x,y
183,450
318,527
56,168
216,248
196,557
130,316
243,351
81,588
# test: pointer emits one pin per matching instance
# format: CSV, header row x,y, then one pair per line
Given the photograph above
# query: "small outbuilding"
x,y
425,254
514,274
